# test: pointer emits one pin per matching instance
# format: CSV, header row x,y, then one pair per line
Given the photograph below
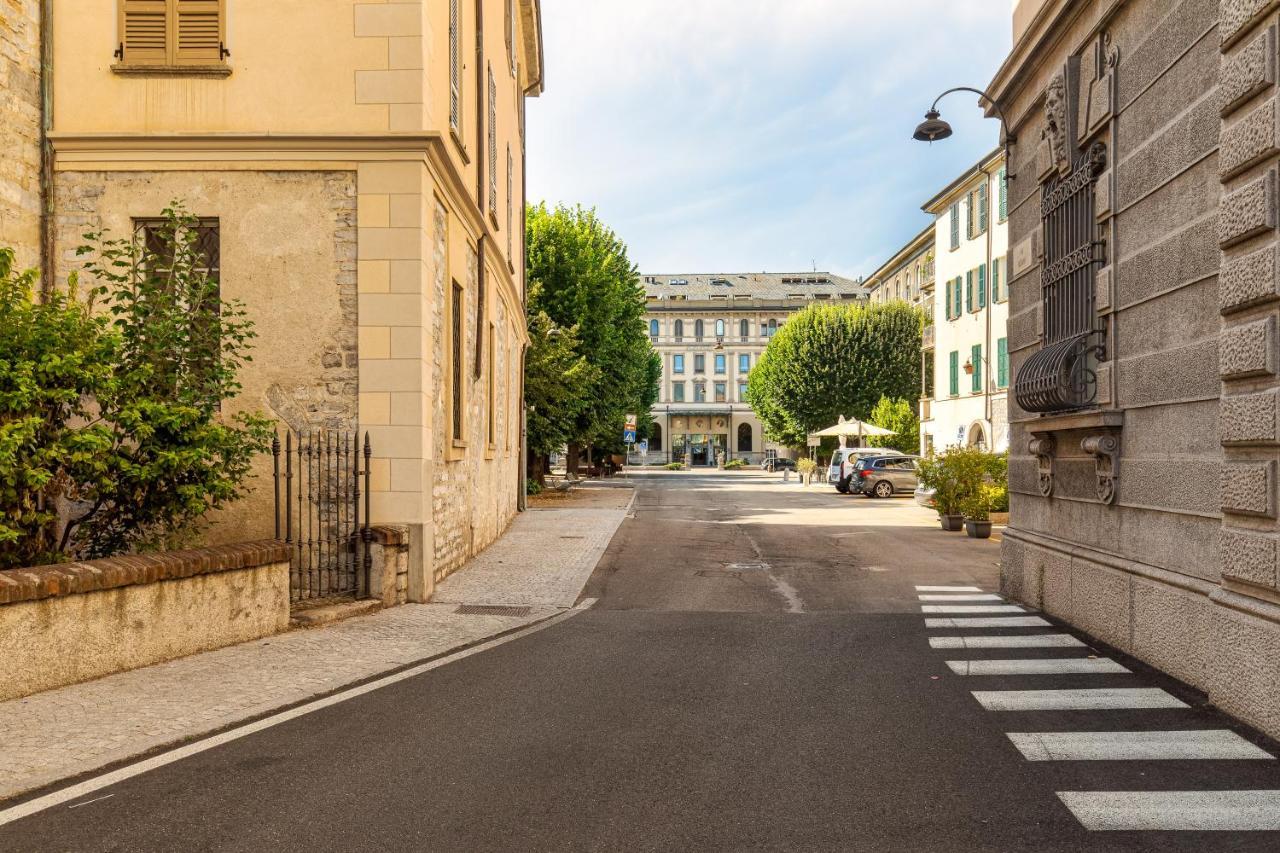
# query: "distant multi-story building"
x,y
710,331
908,275
965,353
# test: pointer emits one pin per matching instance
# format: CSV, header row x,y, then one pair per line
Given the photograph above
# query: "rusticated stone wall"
x,y
20,130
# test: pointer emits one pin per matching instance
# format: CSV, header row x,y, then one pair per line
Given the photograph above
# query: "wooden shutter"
x,y
982,208
144,32
976,357
968,291
955,225
968,216
455,67
1002,362
982,286
197,31
955,373
995,281
1004,194
493,144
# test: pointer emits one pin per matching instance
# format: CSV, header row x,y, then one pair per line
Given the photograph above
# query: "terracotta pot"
x,y
978,529
951,522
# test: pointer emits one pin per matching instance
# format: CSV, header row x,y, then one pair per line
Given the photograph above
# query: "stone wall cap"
x,y
33,584
1100,419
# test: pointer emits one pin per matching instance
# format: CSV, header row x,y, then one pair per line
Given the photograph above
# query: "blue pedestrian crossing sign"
x,y
628,436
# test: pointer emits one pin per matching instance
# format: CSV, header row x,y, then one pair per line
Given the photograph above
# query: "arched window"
x,y
744,329
698,329
773,328
719,328
679,329
653,329
655,438
744,438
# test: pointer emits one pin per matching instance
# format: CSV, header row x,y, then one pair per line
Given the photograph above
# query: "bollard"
x,y
786,475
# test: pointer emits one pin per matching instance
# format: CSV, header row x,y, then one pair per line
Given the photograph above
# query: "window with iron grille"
x,y
456,351
455,67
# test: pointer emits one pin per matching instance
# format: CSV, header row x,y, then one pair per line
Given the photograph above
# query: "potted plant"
x,y
977,511
806,467
935,473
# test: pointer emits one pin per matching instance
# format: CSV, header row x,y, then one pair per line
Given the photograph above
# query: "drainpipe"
x,y
986,344
46,149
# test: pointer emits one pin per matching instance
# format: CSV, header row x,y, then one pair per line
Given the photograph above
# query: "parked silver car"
x,y
885,476
842,460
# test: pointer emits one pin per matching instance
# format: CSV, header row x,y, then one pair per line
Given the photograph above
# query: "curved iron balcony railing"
x,y
1060,377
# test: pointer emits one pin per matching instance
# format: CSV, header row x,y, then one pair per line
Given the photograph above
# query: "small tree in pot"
x,y
934,472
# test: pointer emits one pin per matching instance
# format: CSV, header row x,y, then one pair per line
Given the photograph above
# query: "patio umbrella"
x,y
853,427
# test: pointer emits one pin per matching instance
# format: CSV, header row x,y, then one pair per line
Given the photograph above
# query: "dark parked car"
x,y
778,463
884,476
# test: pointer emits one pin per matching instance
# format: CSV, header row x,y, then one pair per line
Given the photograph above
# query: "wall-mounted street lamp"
x,y
934,127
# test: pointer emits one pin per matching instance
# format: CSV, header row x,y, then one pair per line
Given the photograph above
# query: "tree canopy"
x,y
581,280
899,416
832,360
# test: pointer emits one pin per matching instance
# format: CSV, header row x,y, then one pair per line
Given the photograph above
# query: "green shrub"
x,y
734,464
967,481
674,466
533,487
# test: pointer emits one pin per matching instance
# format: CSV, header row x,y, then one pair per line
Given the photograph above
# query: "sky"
x,y
759,135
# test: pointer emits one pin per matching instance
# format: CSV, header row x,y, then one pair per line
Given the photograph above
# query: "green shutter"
x,y
976,356
995,281
968,291
968,219
982,208
948,300
1002,362
959,297
1004,193
955,373
982,286
955,225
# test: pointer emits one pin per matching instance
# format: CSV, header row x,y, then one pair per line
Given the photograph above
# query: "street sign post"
x,y
643,446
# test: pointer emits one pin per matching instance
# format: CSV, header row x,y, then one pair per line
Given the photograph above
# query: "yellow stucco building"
x,y
358,166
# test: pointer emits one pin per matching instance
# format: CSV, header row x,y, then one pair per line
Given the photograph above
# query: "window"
x,y
742,392
699,363
493,145
975,358
744,330
699,392
169,33
1002,363
655,437
206,258
773,329
679,332
677,392
982,286
1002,190
720,363
968,291
720,392
982,208
456,354
955,225
954,386
744,363
744,438
653,329
455,68
677,364
493,389
996,295
698,329
950,295
719,328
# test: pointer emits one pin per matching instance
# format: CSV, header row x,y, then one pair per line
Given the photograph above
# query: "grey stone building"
x,y
1143,333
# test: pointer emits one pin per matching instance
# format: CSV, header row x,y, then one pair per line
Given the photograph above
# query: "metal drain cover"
x,y
492,610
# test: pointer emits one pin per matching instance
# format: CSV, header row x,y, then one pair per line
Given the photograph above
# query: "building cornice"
x,y
988,165
907,253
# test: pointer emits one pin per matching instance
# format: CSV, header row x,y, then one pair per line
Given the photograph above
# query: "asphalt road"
x,y
756,675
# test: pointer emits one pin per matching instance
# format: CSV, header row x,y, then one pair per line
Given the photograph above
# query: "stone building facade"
x,y
1142,227
362,173
710,331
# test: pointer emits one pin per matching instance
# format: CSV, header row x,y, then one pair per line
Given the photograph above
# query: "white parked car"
x,y
843,460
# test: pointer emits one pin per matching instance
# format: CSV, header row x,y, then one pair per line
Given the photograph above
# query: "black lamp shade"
x,y
932,128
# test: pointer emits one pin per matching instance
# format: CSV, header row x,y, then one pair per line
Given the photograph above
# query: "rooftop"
x,y
764,285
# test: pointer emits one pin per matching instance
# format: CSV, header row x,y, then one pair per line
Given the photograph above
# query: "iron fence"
x,y
319,486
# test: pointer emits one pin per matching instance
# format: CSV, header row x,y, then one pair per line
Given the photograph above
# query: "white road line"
x,y
97,783
1104,698
1135,746
1235,811
947,589
973,596
989,622
1025,641
1038,666
971,608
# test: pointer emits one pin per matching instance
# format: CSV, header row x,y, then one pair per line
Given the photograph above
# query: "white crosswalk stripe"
x,y
971,608
1175,810
1213,744
981,596
1027,641
988,622
947,588
1100,698
1038,666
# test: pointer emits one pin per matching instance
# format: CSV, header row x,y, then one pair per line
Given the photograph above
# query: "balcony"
x,y
927,339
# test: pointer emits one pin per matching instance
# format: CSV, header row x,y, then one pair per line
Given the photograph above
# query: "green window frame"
x,y
954,385
1002,363
982,286
975,354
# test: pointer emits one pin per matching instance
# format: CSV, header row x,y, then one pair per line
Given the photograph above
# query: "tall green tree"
x,y
555,384
900,416
581,278
832,360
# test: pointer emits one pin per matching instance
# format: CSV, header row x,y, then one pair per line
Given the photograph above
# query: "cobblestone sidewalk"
x,y
543,561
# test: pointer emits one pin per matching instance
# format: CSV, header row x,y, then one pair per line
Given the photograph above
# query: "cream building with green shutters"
x,y
966,349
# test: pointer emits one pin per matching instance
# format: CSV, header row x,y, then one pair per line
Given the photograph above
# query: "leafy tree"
x,y
900,416
556,377
581,278
829,360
